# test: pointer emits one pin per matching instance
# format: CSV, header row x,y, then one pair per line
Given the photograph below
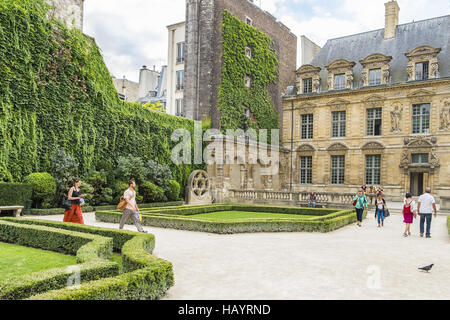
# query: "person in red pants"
x,y
75,215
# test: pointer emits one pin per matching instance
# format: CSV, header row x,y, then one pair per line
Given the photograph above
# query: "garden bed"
x,y
143,275
232,218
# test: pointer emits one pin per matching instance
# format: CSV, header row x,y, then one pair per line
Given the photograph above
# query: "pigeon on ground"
x,y
427,268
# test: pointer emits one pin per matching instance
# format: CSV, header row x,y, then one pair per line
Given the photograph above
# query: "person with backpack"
x,y
360,203
74,196
380,207
409,213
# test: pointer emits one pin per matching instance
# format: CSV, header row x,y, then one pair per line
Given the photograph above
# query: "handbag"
x,y
66,203
122,204
386,213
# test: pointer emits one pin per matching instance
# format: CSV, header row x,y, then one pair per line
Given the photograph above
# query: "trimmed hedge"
x,y
323,223
448,224
143,205
15,194
146,277
91,251
55,211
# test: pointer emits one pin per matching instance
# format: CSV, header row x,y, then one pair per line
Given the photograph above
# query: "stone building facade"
x,y
204,53
374,109
70,12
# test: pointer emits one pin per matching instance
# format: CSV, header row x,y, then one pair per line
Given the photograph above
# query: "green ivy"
x,y
56,93
262,68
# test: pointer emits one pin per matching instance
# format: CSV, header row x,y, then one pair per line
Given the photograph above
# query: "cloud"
x,y
133,33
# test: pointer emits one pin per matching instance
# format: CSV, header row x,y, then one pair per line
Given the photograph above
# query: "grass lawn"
x,y
17,260
235,215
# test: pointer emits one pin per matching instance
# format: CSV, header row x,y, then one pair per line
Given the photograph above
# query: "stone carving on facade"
x,y
338,146
374,145
330,82
434,70
420,142
199,188
244,177
434,160
316,84
386,75
421,54
404,162
445,116
349,79
396,117
409,71
376,61
308,71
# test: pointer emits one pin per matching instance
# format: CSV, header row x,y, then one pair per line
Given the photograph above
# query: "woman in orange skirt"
x,y
75,214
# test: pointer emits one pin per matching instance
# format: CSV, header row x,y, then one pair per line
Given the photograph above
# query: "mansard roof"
x,y
432,32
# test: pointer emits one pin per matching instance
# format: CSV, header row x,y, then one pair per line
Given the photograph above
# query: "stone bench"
x,y
17,210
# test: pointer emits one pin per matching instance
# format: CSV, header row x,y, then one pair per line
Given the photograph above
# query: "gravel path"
x,y
350,263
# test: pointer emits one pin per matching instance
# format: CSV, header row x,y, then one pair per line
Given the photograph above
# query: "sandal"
x,y
405,234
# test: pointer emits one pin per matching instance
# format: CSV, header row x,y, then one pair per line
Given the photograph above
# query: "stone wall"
x,y
204,53
70,12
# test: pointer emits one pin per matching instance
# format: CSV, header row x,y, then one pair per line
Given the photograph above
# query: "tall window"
x,y
180,80
307,126
374,122
374,77
421,118
307,85
180,52
422,71
179,107
338,124
419,158
305,170
339,81
337,169
373,165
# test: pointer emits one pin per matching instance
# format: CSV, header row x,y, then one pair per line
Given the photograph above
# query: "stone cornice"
x,y
346,93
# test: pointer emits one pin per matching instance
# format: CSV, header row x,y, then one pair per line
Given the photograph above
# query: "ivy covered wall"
x,y
261,68
56,92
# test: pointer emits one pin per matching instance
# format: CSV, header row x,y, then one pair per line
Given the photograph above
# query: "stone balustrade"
x,y
323,199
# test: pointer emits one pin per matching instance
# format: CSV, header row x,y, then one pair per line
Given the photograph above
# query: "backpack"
x,y
407,208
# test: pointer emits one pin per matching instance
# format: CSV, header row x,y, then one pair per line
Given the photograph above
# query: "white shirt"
x,y
426,203
413,204
131,196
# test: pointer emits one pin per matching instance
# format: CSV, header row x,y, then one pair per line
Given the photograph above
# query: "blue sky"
x,y
133,33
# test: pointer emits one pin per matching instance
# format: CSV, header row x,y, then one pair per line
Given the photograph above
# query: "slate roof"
x,y
431,32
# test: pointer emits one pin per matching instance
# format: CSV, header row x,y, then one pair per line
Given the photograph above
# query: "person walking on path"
x,y
74,214
312,200
360,202
408,213
131,210
379,209
425,208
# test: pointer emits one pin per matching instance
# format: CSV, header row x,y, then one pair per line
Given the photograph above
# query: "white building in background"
x,y
175,69
150,88
309,50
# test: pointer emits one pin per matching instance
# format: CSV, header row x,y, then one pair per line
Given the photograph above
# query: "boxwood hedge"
x,y
91,251
15,194
176,219
145,277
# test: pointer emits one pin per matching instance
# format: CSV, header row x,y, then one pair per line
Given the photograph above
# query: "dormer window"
x,y
340,74
308,79
248,81
376,70
374,77
423,63
422,70
307,85
248,52
339,81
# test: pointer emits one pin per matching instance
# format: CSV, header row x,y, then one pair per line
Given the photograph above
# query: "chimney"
x,y
391,22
